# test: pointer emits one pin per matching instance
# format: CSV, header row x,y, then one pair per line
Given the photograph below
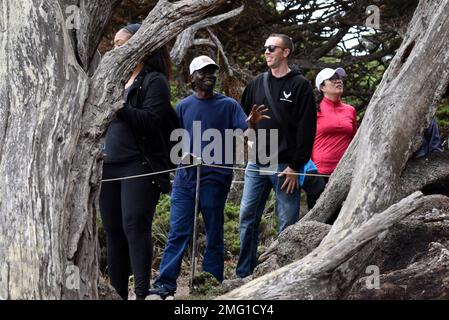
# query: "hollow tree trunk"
x,y
52,116
398,113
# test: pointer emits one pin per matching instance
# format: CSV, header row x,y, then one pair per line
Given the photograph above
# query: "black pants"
x,y
312,198
314,187
127,209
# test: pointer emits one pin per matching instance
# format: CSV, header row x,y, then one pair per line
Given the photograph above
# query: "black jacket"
x,y
149,113
295,101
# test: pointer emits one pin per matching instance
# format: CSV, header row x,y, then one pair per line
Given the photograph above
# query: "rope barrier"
x,y
198,163
214,166
149,174
265,171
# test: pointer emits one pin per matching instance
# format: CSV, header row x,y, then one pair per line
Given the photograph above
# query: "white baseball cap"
x,y
201,62
328,73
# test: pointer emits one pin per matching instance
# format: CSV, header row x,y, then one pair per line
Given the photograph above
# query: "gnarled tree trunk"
x,y
52,117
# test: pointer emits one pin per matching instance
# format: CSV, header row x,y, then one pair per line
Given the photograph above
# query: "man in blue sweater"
x,y
206,110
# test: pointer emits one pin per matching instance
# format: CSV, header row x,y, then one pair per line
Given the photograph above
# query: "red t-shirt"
x,y
336,126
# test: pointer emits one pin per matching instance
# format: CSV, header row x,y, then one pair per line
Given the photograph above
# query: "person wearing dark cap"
x,y
210,111
137,142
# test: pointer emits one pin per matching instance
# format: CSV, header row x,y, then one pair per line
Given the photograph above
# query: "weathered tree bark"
x,y
426,174
218,44
52,117
397,255
91,19
391,131
186,39
310,277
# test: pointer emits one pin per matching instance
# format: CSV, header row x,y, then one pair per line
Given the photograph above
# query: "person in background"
x,y
311,182
136,143
336,124
431,141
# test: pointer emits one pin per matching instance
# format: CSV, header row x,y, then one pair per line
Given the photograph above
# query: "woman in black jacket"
x,y
137,142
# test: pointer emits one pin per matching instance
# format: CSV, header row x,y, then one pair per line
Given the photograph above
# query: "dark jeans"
x,y
255,194
127,208
212,202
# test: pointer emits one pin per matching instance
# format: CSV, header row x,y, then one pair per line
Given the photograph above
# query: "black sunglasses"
x,y
271,48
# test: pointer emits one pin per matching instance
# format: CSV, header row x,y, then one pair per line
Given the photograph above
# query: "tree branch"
x,y
186,38
94,15
309,278
163,23
89,19
331,43
204,42
223,54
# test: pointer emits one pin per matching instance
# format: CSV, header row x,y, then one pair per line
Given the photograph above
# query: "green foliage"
x,y
174,94
247,63
229,269
442,114
231,228
161,224
269,224
205,284
160,228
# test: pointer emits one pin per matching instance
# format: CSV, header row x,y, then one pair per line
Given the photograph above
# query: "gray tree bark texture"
x,y
52,117
404,270
367,183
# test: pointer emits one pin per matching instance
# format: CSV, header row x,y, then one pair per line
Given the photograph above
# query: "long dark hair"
x,y
160,61
319,98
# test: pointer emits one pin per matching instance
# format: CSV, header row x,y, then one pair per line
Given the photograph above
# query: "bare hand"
x,y
257,114
291,180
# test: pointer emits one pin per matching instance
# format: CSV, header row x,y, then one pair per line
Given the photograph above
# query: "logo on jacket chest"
x,y
285,96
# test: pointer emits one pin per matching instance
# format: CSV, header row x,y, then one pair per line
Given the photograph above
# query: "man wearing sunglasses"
x,y
292,113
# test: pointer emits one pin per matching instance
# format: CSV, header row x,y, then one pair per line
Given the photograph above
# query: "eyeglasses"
x,y
271,48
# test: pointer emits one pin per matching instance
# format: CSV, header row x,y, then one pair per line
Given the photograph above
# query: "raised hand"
x,y
257,114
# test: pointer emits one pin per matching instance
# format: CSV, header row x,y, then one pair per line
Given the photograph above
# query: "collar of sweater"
x,y
331,103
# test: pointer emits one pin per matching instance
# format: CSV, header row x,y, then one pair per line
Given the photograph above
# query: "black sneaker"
x,y
162,292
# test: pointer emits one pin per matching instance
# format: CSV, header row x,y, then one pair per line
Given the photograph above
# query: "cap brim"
x,y
341,72
212,64
206,65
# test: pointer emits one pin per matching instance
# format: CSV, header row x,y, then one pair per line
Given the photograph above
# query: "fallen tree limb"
x,y
309,278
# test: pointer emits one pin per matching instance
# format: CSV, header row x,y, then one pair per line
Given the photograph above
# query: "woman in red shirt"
x,y
336,122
